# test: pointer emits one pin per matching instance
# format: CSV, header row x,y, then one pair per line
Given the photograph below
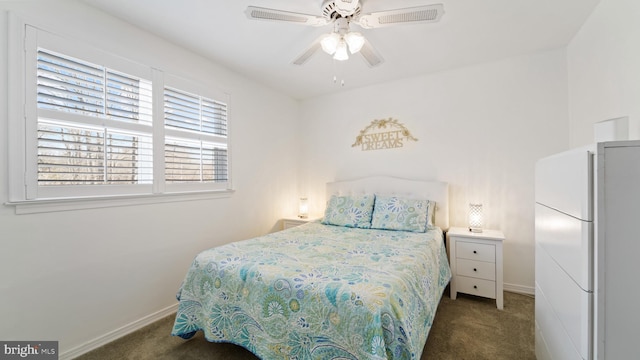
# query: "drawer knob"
x,y
475,252
474,269
475,286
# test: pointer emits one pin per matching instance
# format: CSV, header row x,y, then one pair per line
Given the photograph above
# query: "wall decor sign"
x,y
383,134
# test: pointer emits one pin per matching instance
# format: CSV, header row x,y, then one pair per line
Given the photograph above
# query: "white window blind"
x,y
72,150
192,161
71,85
74,155
192,112
197,151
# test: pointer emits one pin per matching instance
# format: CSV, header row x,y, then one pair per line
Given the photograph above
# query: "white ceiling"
x,y
470,32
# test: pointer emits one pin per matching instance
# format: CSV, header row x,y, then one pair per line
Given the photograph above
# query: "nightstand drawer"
x,y
475,251
476,269
479,287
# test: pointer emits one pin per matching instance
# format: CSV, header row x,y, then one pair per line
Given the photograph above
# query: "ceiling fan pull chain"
x,y
337,69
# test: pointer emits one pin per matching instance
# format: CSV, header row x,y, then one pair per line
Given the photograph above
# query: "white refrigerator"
x,y
587,272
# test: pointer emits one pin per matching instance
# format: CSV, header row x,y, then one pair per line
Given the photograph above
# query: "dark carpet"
x,y
468,328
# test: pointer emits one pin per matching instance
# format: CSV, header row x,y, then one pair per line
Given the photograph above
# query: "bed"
x,y
364,282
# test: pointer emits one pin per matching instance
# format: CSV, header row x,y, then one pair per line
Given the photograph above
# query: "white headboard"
x,y
437,191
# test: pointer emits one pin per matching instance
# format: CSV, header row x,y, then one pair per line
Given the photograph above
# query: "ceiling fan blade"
x,y
412,15
315,46
259,13
370,55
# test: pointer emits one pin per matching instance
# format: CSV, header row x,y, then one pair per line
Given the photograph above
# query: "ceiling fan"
x,y
342,13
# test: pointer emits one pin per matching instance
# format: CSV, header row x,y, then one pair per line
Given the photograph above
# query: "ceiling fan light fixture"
x,y
355,40
330,43
341,51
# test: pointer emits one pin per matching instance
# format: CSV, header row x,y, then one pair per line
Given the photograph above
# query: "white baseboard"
x,y
520,289
117,333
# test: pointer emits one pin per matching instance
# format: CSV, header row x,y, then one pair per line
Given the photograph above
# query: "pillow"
x,y
349,211
431,215
395,213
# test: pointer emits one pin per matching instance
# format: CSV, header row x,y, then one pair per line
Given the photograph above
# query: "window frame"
x,y
35,39
185,85
25,39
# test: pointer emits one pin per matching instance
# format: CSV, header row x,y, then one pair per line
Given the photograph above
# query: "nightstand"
x,y
292,222
476,263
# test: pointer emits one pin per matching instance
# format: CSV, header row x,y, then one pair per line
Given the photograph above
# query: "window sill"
x,y
70,204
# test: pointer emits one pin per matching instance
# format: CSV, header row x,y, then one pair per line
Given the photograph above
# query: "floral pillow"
x,y
394,213
349,211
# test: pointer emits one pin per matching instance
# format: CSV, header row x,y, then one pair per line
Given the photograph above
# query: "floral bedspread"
x,y
318,292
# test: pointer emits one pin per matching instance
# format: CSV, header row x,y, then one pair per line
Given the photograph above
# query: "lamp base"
x,y
475,230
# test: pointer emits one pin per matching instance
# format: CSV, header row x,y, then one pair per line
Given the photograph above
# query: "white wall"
x,y
480,128
76,276
604,68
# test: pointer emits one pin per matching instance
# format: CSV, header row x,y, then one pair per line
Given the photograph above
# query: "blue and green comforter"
x,y
318,292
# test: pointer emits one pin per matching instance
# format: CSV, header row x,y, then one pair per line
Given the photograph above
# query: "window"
x,y
98,125
73,150
195,149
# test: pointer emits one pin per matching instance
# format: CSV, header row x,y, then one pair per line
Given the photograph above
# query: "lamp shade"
x,y
355,40
329,43
341,51
476,218
303,208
